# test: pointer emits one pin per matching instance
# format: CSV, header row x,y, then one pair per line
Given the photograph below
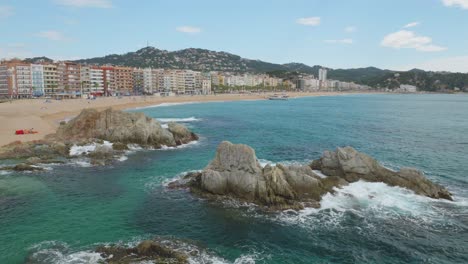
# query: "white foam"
x,y
369,199
190,144
81,163
3,172
182,120
164,105
166,126
76,150
122,158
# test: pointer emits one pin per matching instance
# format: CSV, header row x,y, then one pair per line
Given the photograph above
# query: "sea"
x,y
61,215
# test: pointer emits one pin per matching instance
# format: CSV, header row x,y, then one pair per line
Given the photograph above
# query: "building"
x,y
138,81
5,81
50,79
148,81
85,73
123,77
96,78
322,74
69,77
108,74
22,85
37,78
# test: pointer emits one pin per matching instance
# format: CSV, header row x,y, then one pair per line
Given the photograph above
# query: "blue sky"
x,y
398,34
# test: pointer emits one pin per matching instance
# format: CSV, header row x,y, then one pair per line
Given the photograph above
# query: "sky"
x,y
389,34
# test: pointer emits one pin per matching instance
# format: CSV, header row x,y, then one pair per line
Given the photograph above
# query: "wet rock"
x,y
146,251
235,173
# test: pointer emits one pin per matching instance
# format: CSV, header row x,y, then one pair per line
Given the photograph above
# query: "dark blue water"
x,y
60,215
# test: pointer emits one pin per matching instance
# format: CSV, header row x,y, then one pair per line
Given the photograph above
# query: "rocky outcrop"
x,y
352,166
92,127
236,173
123,127
148,251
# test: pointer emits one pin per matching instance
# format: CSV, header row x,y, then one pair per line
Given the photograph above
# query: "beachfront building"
x,y
109,80
138,81
50,79
37,78
69,77
123,77
96,80
85,73
5,81
206,84
22,87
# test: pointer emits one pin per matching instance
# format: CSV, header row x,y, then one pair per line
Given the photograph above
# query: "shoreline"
x,y
45,117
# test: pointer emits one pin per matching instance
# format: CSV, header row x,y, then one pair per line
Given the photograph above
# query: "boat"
x,y
278,97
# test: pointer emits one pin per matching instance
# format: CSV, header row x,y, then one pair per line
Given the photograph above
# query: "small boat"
x,y
278,97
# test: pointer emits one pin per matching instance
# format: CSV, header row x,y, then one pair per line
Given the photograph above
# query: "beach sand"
x,y
45,117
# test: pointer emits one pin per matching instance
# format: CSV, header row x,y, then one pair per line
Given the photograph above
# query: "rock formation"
x,y
352,166
92,126
148,251
235,172
123,127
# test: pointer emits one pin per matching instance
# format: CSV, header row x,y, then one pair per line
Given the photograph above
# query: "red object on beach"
x,y
19,132
25,131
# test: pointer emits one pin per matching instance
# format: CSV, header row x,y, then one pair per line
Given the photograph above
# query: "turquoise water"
x,y
60,215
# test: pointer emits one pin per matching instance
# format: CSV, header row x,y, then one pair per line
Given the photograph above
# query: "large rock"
x,y
236,173
352,166
123,127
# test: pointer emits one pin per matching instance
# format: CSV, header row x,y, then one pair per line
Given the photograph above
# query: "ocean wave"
x,y
375,200
264,162
188,145
76,150
181,120
163,105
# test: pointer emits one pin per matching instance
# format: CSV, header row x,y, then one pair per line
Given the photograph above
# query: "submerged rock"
x,y
236,173
147,251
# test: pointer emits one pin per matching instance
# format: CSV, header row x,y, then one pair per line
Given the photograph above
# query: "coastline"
x,y
45,117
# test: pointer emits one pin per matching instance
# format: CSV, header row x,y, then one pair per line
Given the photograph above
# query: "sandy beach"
x,y
45,117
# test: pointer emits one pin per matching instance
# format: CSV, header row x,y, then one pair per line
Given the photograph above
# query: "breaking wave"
x,y
181,120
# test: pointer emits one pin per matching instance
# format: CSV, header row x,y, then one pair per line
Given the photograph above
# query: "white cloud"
x,y
350,29
86,3
460,3
452,64
51,35
189,29
308,21
6,11
412,24
339,41
405,39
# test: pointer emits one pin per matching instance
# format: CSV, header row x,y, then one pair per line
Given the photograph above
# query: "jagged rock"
x,y
146,251
352,166
181,134
119,146
22,167
236,173
123,127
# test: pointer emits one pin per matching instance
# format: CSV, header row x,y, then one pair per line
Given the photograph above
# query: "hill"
x,y
207,60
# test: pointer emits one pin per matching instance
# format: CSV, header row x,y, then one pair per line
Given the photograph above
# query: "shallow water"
x,y
60,215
